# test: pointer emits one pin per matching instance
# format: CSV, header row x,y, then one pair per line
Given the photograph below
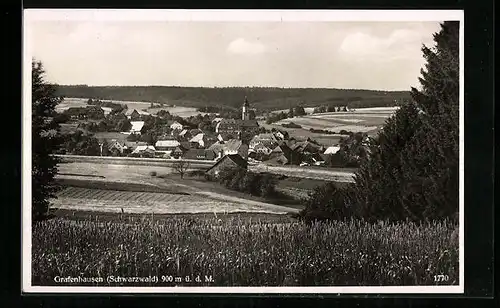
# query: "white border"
x,y
225,15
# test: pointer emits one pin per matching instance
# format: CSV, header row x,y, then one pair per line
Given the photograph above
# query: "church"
x,y
244,129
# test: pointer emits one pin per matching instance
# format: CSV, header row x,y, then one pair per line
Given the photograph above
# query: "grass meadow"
x,y
241,251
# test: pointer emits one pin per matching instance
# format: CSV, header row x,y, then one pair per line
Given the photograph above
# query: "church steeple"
x,y
244,114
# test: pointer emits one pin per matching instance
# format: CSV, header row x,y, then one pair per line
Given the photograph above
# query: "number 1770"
x,y
441,278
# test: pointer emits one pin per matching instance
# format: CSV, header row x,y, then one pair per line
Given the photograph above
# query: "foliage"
x,y
181,167
326,202
412,171
275,117
238,252
45,141
229,99
80,143
89,112
354,150
257,184
116,107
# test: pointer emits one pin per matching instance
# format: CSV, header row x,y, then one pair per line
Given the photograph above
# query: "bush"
x,y
152,173
256,184
326,202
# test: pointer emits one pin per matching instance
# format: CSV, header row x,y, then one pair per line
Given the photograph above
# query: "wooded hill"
x,y
264,99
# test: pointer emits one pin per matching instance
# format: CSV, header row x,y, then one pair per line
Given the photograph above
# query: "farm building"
x,y
134,114
284,155
136,127
166,145
306,147
232,161
144,150
202,154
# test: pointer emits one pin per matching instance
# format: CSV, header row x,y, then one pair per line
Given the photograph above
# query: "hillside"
x,y
263,99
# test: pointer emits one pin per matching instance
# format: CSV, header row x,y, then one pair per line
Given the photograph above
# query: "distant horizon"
x,y
224,87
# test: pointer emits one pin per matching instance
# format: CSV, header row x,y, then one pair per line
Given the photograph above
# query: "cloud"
x,y
401,44
92,31
242,46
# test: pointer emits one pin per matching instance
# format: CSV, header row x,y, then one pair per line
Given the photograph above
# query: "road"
x,y
123,165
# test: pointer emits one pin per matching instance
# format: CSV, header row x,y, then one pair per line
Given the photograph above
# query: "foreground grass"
x,y
237,252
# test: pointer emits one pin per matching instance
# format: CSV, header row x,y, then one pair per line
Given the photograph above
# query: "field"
x,y
357,121
137,169
174,110
318,173
242,252
115,201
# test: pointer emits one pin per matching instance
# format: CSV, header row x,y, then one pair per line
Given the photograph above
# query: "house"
x,y
106,110
261,149
131,146
166,145
233,126
281,135
144,151
232,146
227,162
268,140
332,149
225,137
136,127
135,115
306,147
199,140
178,152
202,154
176,126
283,154
195,131
117,148
184,135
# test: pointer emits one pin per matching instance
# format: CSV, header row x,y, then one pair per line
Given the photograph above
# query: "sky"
x,y
296,54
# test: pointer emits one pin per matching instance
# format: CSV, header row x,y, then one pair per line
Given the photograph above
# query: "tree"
x,y
326,202
45,141
299,111
181,167
290,113
413,170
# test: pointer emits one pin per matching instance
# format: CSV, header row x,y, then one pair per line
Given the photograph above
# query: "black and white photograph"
x,y
242,151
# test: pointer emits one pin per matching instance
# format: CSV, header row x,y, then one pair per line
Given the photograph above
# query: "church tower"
x,y
245,112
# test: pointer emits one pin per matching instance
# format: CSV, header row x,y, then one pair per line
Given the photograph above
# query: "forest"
x,y
263,99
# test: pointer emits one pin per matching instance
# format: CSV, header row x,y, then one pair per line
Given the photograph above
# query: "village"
x,y
113,130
